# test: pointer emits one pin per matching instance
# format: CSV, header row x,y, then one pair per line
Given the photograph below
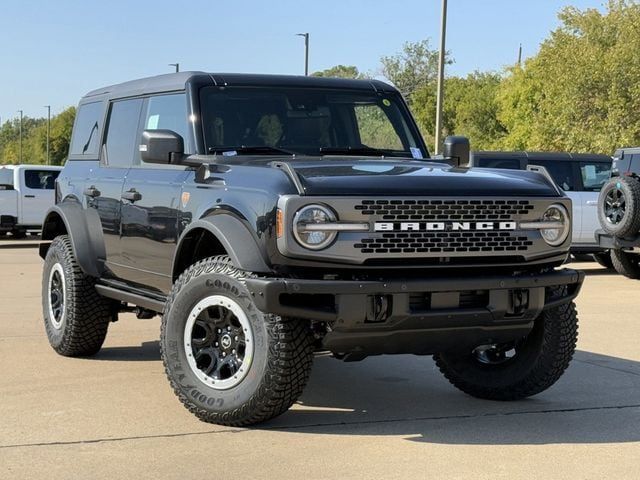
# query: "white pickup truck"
x,y
26,193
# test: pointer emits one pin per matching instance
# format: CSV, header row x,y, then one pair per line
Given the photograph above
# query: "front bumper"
x,y
417,316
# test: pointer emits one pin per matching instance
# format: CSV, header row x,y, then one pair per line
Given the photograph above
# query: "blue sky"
x,y
55,51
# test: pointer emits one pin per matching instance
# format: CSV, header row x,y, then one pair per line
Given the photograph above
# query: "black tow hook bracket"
x,y
378,308
519,302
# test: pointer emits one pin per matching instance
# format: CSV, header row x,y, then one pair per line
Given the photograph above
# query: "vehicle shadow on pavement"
x,y
596,401
147,351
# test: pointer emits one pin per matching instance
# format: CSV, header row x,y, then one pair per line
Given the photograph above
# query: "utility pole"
x,y
177,65
306,52
48,107
520,55
20,111
443,34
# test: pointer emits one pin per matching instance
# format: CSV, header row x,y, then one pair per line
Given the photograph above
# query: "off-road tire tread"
x,y
625,263
631,225
559,344
288,366
88,314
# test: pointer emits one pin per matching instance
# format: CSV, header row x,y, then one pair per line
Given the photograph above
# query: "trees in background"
x,y
34,139
580,92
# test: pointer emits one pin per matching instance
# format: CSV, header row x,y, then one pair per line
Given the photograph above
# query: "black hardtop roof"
x,y
541,155
177,81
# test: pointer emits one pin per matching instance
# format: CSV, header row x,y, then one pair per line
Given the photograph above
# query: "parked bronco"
x,y
619,212
266,217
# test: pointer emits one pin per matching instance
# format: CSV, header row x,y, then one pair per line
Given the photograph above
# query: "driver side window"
x,y
167,112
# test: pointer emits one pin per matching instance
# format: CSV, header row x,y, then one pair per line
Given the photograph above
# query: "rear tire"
x,y
604,259
254,372
539,360
76,317
619,206
626,263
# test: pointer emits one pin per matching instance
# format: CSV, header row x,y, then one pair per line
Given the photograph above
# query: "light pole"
x,y
20,111
443,34
48,107
177,65
306,52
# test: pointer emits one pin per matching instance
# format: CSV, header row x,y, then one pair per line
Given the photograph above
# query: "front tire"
x,y
536,362
76,317
626,263
228,362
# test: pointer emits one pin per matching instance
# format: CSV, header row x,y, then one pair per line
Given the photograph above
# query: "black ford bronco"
x,y
269,217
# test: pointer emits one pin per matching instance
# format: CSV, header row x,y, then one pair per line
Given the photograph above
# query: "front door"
x,y
151,200
594,176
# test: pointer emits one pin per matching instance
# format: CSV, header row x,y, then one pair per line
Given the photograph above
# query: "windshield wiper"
x,y
368,151
249,150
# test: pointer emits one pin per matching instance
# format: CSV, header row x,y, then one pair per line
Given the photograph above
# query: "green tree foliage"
x,y
416,66
339,71
582,90
34,139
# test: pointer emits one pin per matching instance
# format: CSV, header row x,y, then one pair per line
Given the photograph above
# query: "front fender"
x,y
234,236
84,229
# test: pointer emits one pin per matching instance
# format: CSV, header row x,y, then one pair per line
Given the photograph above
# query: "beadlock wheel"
x,y
219,342
56,292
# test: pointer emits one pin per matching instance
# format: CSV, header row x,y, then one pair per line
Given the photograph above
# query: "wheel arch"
x,y
69,218
221,234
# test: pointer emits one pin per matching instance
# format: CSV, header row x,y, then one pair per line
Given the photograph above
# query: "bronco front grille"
x,y
430,210
447,241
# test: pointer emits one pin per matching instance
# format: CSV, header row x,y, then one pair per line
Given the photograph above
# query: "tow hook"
x,y
519,301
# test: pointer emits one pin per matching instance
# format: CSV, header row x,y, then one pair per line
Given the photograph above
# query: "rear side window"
x,y
86,130
6,179
562,173
40,179
594,175
122,133
510,163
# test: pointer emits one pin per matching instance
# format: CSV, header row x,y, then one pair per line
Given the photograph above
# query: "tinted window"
x,y
168,112
511,163
40,179
122,133
594,175
562,173
86,130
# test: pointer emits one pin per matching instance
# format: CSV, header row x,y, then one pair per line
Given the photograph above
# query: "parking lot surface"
x,y
115,416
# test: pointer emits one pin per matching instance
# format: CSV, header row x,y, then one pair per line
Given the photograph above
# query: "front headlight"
x,y
556,225
303,227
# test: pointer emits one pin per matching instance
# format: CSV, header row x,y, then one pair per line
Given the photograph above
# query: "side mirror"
x,y
457,149
161,146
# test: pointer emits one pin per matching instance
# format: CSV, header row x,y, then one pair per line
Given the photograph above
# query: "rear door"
x,y
103,188
37,194
594,174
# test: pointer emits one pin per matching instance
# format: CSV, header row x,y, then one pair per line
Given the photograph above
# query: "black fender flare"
x,y
235,237
84,229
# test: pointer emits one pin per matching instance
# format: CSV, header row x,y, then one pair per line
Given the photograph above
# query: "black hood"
x,y
416,178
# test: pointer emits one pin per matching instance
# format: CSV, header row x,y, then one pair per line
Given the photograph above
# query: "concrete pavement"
x,y
115,416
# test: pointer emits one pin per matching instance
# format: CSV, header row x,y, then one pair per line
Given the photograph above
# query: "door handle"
x,y
592,202
132,195
29,196
92,192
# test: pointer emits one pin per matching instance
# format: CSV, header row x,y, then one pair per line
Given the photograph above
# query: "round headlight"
x,y
313,238
559,225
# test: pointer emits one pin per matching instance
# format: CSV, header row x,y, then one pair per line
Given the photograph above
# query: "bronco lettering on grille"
x,y
441,226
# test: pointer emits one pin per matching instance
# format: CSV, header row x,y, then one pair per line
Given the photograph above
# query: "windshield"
x,y
306,121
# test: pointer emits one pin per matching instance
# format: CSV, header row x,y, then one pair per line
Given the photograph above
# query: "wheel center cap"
x,y
225,341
